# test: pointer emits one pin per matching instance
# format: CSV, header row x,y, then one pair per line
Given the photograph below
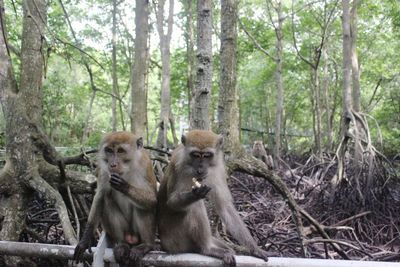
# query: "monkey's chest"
x,y
120,204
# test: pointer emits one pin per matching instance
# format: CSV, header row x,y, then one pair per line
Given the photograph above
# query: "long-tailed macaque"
x,y
197,170
125,200
259,152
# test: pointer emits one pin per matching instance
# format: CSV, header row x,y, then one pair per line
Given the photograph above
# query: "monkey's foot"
x,y
121,254
136,255
259,253
229,260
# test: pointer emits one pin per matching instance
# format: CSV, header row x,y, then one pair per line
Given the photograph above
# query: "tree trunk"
x,y
327,102
24,138
114,68
139,70
228,111
189,36
202,93
317,112
356,92
165,42
347,94
279,86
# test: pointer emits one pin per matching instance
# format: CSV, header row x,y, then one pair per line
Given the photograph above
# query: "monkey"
x,y
125,200
260,153
196,171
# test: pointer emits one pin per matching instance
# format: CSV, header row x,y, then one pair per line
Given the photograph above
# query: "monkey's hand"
x,y
118,183
200,192
80,249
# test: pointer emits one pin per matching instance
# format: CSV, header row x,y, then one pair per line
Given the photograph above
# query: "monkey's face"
x,y
258,145
200,161
118,158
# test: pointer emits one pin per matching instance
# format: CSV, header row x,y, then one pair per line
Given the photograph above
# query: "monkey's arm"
x,y
91,225
143,198
180,201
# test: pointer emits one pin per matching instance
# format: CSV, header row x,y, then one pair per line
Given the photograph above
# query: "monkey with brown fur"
x,y
197,170
125,199
260,153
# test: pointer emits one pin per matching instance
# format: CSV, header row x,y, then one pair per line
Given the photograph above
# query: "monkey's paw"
x,y
229,260
80,250
201,192
118,183
259,253
136,255
121,254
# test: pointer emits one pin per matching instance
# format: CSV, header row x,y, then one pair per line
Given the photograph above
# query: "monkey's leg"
x,y
146,227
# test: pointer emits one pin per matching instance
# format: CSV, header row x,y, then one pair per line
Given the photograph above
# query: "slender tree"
x,y
139,70
347,92
166,118
228,111
189,38
114,67
202,92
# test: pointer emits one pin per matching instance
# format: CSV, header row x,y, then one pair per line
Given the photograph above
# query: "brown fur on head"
x,y
202,139
120,138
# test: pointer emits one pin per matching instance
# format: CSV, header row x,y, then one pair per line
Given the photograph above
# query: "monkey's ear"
x,y
183,139
220,142
139,142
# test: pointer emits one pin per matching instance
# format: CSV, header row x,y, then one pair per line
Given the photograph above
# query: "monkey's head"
x,y
258,145
119,151
203,150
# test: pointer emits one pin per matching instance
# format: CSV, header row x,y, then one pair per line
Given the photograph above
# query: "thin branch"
x,y
256,42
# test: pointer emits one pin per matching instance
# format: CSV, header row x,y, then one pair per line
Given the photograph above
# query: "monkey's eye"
x,y
127,160
196,155
121,150
108,150
208,155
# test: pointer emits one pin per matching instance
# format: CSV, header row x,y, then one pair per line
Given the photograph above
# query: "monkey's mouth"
x,y
200,179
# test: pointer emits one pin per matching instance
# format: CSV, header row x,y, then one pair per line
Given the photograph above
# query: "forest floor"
x,y
366,229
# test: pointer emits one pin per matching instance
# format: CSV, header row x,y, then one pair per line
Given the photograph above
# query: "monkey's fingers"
x,y
259,253
202,191
118,183
229,260
78,253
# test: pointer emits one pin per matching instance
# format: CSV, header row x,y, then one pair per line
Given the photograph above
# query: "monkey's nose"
x,y
200,172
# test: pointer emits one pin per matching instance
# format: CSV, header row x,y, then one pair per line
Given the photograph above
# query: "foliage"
x,y
67,88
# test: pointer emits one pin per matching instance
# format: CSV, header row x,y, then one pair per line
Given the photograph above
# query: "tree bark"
x,y
228,110
356,92
279,86
165,41
139,70
327,101
347,93
189,36
114,68
202,93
